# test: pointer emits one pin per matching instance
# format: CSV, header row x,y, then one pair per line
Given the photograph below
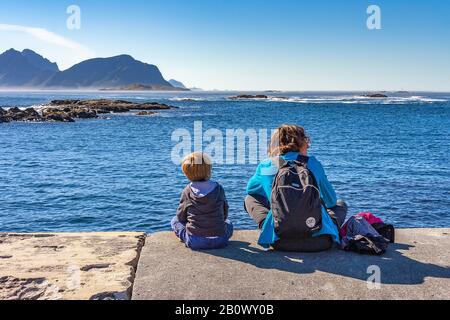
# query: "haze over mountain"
x,y
177,84
27,69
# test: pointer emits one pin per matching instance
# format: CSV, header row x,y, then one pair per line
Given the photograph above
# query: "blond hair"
x,y
197,166
288,138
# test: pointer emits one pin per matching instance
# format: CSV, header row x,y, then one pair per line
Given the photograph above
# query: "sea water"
x,y
387,156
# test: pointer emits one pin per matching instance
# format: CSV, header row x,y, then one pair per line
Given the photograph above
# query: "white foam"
x,y
356,100
187,99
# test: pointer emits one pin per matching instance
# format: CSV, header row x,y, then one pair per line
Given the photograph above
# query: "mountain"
x,y
28,69
25,69
114,72
39,61
177,84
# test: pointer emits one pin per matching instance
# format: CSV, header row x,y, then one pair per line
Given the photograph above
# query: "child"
x,y
201,221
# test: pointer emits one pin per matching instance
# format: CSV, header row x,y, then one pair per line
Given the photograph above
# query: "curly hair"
x,y
197,166
288,138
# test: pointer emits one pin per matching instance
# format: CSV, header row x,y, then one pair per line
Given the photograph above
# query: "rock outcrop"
x,y
376,95
70,110
69,266
146,113
16,114
249,97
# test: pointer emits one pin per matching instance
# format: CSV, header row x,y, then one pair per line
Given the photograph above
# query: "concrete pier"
x,y
81,266
417,267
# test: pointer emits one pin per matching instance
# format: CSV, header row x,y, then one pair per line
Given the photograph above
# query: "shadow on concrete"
x,y
396,268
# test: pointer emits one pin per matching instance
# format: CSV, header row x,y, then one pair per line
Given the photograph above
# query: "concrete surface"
x,y
76,266
417,267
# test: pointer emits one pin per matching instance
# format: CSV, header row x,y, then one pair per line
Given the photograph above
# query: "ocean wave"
x,y
342,99
36,107
188,99
184,115
356,100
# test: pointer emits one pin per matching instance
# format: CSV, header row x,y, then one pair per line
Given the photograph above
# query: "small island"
x,y
69,110
249,97
376,95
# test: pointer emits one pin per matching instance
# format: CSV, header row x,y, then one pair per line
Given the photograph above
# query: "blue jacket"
x,y
261,184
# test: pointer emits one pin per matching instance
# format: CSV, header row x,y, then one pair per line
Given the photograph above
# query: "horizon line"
x,y
206,90
6,89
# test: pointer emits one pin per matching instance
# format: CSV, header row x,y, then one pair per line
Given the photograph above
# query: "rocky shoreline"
x,y
70,110
69,266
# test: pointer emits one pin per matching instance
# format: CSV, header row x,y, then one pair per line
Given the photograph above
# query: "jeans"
x,y
201,243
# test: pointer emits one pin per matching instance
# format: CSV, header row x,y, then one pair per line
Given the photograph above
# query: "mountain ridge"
x,y
24,69
31,70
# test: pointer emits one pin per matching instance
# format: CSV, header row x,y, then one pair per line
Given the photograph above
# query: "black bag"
x,y
385,230
368,245
296,201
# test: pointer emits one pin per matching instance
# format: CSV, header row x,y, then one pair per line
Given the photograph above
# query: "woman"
x,y
290,143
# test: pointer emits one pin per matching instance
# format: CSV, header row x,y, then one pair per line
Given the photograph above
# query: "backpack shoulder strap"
x,y
302,159
279,162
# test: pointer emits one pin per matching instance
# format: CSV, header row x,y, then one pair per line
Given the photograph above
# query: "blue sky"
x,y
248,44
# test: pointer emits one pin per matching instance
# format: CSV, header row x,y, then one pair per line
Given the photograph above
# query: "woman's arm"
x,y
254,185
261,182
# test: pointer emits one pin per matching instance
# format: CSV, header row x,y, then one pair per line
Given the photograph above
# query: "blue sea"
x,y
387,156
